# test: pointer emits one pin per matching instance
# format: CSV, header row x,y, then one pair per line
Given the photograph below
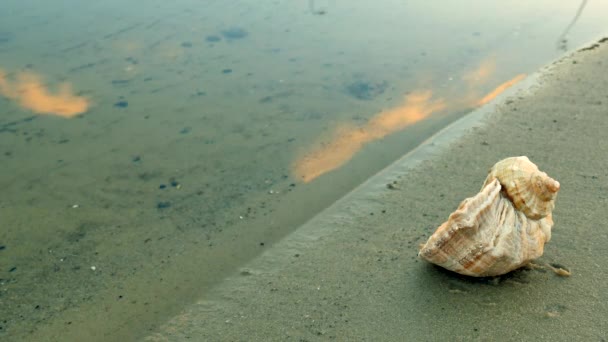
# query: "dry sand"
x,y
352,274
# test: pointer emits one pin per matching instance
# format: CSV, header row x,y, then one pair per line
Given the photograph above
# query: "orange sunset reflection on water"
x,y
481,73
27,90
347,139
500,89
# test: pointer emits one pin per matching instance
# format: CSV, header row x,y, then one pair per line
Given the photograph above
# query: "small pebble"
x,y
391,186
226,71
121,104
93,268
162,186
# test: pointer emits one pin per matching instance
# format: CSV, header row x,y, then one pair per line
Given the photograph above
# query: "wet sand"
x,y
352,272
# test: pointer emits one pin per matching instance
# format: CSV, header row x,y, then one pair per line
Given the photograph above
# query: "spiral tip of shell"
x,y
552,185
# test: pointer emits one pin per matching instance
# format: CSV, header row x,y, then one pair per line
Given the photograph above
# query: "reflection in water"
x,y
313,10
477,78
498,90
481,74
562,41
30,93
347,140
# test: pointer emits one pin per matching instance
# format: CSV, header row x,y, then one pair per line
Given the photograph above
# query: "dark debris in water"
x,y
120,82
5,37
366,90
271,98
12,126
213,39
234,33
121,104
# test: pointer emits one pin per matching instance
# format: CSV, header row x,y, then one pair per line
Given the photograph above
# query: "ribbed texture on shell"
x,y
531,191
487,236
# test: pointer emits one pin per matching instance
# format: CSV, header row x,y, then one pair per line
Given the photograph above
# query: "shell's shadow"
x,y
521,275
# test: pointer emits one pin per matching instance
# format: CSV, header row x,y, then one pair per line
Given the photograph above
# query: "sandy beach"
x,y
352,272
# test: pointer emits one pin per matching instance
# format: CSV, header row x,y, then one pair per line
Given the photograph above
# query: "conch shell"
x,y
500,229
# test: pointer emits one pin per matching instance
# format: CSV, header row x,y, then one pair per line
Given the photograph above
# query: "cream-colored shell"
x,y
488,234
530,190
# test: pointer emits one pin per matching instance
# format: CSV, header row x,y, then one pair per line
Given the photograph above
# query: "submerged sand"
x,y
352,272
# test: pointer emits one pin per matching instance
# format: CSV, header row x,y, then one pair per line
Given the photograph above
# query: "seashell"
x,y
530,190
501,228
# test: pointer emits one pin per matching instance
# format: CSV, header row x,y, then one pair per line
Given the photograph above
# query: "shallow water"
x,y
150,148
